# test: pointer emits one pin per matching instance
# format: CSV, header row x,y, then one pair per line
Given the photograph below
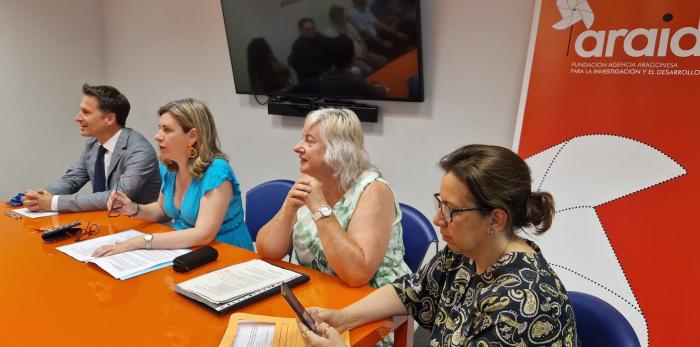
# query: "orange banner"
x,y
609,124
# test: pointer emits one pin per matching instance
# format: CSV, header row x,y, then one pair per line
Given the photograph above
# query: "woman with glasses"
x,y
489,286
200,193
340,216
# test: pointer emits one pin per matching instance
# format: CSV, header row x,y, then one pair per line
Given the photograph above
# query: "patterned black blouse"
x,y
518,301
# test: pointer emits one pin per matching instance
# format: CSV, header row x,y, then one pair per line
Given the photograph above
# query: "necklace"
x,y
503,252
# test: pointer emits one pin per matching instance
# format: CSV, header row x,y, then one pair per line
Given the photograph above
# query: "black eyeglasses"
x,y
82,234
115,210
447,211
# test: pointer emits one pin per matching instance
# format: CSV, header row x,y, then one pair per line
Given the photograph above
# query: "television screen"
x,y
350,49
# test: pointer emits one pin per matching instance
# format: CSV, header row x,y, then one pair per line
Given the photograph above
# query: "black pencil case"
x,y
195,259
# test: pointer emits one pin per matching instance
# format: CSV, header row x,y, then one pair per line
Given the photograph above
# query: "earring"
x,y
492,232
191,151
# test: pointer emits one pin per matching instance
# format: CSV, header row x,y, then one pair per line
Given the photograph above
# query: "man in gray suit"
x,y
114,155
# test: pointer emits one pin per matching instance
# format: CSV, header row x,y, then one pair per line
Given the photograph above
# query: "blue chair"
x,y
418,236
600,324
262,203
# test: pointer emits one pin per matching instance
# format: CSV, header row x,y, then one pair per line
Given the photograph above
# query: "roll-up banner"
x,y
608,121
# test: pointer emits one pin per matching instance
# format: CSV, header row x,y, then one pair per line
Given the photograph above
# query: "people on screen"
x,y
386,11
200,194
341,216
265,72
309,56
379,37
340,80
365,62
488,286
113,153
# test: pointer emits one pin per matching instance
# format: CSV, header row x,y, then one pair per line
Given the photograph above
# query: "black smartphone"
x,y
300,311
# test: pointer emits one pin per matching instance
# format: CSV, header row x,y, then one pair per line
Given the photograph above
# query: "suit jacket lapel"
x,y
118,151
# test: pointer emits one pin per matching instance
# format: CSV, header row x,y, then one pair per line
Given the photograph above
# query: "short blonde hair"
x,y
341,131
194,114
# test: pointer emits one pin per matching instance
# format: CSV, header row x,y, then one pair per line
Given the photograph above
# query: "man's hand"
x,y
37,200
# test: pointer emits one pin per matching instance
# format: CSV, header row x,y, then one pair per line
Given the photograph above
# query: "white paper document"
x,y
257,334
236,280
123,265
25,212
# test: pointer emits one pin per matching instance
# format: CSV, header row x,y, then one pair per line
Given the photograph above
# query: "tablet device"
x,y
300,311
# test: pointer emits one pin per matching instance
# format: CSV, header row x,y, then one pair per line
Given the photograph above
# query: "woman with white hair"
x,y
340,216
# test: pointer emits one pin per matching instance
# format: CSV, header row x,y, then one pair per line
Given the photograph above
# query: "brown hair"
x,y
499,178
194,114
109,100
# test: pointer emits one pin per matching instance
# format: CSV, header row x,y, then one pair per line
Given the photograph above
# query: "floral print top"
x,y
308,247
518,301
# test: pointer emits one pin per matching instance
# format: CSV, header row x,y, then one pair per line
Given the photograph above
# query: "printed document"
x,y
236,280
123,265
262,331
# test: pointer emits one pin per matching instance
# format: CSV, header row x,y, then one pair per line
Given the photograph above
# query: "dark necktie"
x,y
98,178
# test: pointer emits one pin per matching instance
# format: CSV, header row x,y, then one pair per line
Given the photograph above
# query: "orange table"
x,y
49,298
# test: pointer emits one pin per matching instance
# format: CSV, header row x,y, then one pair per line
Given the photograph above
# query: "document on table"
x,y
262,331
123,265
239,285
258,334
237,280
25,212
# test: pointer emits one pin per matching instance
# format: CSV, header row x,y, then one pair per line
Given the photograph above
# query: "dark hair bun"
x,y
540,211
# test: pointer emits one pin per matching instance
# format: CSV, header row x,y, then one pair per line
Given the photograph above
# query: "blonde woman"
x,y
341,216
200,193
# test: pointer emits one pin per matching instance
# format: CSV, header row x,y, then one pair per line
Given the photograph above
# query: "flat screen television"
x,y
326,49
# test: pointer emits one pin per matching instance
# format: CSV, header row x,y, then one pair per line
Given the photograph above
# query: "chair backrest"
x,y
418,235
600,324
262,203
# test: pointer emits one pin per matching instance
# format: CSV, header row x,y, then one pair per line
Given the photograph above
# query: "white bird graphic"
x,y
583,173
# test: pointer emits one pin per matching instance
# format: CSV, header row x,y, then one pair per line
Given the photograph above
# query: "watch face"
x,y
325,210
148,237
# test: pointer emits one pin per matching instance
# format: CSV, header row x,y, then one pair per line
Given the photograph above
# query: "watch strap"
x,y
148,239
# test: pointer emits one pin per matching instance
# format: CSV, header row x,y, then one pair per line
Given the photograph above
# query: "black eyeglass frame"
x,y
82,234
439,205
115,211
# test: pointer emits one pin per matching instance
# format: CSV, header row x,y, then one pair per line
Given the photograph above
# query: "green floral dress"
x,y
308,247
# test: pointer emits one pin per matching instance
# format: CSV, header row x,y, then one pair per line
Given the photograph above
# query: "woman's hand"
x,y
315,197
329,336
335,318
296,197
119,247
120,202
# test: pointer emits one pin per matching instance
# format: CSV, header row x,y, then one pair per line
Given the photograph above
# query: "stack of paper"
x,y
123,265
238,284
25,212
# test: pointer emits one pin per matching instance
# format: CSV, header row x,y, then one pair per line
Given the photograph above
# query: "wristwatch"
x,y
149,240
323,211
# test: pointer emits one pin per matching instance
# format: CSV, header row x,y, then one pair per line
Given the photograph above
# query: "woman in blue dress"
x,y
200,193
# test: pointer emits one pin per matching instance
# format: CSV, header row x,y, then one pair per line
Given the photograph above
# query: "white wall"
x,y
474,56
48,49
159,50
